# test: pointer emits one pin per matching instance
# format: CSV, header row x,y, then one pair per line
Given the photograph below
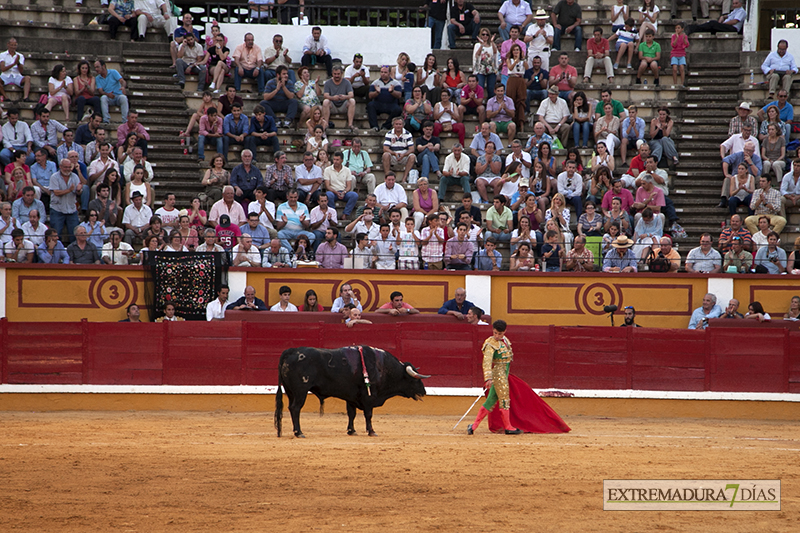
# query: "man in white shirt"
x,y
115,251
390,195
12,67
570,184
362,256
455,172
154,13
284,305
339,183
19,249
168,214
346,296
779,66
210,244
514,13
322,217
227,206
192,59
216,310
136,218
524,159
98,167
316,50
16,136
265,210
245,254
539,39
309,180
553,112
275,56
360,164
790,186
735,143
137,158
34,229
358,75
365,223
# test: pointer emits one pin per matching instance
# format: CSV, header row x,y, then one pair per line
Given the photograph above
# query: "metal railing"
x,y
785,17
319,14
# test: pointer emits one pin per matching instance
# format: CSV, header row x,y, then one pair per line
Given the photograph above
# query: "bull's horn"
x,y
414,374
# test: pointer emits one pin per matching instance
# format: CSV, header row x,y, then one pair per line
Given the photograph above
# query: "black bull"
x,y
338,374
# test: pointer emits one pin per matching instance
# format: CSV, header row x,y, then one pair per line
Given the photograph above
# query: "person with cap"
x,y
539,38
737,260
136,218
742,117
620,258
116,251
779,66
553,113
227,234
630,317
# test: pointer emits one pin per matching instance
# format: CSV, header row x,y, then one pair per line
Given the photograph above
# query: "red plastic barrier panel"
x,y
793,367
749,360
43,353
129,355
667,359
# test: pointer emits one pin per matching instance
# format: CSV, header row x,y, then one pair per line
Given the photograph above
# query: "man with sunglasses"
x,y
630,317
275,56
786,112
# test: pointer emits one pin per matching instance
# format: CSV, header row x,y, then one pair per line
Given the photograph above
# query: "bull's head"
x,y
414,374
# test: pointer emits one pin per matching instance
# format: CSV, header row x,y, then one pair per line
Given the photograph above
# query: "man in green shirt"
x,y
649,56
499,220
605,98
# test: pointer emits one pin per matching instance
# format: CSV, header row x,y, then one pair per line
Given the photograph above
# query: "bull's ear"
x,y
414,374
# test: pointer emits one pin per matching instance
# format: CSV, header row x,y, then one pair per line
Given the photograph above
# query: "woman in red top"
x,y
310,302
454,80
84,89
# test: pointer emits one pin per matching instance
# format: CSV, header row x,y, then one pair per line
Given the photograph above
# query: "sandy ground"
x,y
176,471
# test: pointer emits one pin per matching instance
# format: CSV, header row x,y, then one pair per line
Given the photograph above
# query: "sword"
x,y
468,410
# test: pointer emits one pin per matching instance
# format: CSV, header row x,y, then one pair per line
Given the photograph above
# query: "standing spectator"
x,y
488,168
358,76
81,251
331,253
786,112
779,66
427,147
16,136
566,18
704,258
485,57
598,50
122,14
464,20
293,220
132,126
339,183
316,50
505,53
766,201
338,98
155,14
773,151
12,71
539,39
235,129
649,57
432,238
279,97
553,113
247,63
279,178
563,76
514,13
437,18
192,59
679,42
581,120
64,186
384,96
516,89
360,164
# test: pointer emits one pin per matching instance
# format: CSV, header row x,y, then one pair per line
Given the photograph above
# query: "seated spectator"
x,y
360,165
627,42
459,251
81,251
362,255
293,220
316,50
235,130
790,186
536,81
192,59
514,13
276,256
794,309
564,77
210,130
340,185
499,220
34,229
279,178
552,252
132,125
215,310
732,22
322,217
51,251
245,254
228,234
566,18
248,63
648,195
620,258
606,130
277,56
742,117
488,167
317,142
632,131
26,203
219,63
489,259
773,118
384,96
464,20
704,259
310,302
553,113
346,296
771,259
649,57
766,201
12,67
756,311
169,314
779,66
599,185
227,206
246,178
416,111
154,14
136,218
570,186
355,318
136,159
358,76
664,258
133,314
279,97
309,179
735,229
501,110
189,237
209,242
637,166
95,229
737,260
262,131
598,50
472,99
398,149
259,234
284,305
396,306
215,178
227,101
18,249
742,187
331,253
590,223
138,184
16,136
458,307
702,314
60,90
580,258
425,202
647,233
338,98
750,157
44,133
115,251
735,143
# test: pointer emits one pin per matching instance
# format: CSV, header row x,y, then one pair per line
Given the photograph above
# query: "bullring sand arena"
x,y
226,471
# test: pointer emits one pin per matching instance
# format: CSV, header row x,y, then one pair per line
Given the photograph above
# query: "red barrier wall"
x,y
234,353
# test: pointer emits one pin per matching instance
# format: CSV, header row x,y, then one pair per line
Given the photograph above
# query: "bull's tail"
x,y
321,407
279,405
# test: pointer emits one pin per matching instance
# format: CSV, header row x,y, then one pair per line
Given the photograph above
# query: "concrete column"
x,y
479,291
722,288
